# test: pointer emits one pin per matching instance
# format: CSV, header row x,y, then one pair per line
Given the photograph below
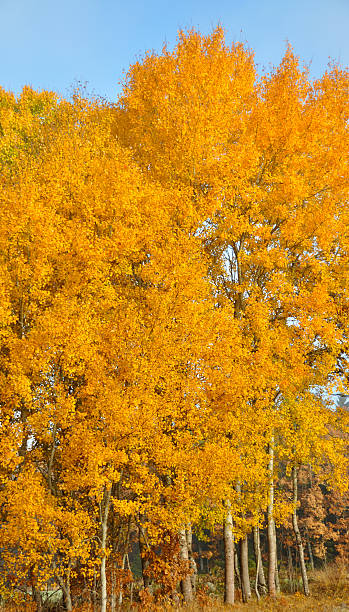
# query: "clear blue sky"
x,y
52,44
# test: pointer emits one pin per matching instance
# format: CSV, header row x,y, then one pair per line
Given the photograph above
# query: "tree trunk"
x,y
237,566
124,558
192,563
131,585
310,552
113,587
245,576
184,556
143,548
65,586
94,594
297,533
229,594
121,584
68,601
260,577
115,537
271,525
201,559
37,599
290,569
104,511
277,581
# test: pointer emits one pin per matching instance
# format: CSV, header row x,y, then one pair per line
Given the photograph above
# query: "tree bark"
x,y
229,591
65,586
115,537
121,585
256,579
186,586
260,577
125,558
201,559
104,511
271,525
245,576
277,580
113,588
67,596
94,594
237,567
297,533
131,585
290,569
192,563
143,552
37,599
310,552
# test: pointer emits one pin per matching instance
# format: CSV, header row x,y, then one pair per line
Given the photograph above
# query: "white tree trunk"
x,y
192,562
104,512
298,534
229,590
260,577
186,585
271,525
245,576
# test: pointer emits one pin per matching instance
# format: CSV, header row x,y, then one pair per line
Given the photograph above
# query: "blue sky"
x,y
51,45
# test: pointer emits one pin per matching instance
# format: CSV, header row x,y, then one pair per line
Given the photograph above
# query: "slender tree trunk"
x,y
310,552
131,585
245,576
186,586
65,586
143,548
237,567
37,599
193,566
297,533
104,511
67,591
256,579
115,537
271,525
201,559
237,550
113,588
229,594
277,580
68,601
290,569
121,584
260,577
94,593
125,558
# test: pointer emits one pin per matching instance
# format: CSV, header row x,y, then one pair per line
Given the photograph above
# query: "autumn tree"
x,y
174,299
270,197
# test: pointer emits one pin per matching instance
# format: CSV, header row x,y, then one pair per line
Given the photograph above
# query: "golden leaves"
x,y
172,287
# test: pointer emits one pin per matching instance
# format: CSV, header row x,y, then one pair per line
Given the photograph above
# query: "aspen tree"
x,y
263,194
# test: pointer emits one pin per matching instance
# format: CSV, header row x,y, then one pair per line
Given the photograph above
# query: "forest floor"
x,y
329,593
